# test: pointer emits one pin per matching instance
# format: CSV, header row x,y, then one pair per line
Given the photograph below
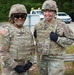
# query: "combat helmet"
x,y
50,5
17,8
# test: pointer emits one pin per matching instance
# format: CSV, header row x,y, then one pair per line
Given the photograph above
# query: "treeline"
x,y
63,5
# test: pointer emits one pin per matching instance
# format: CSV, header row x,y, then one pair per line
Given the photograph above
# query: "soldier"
x,y
52,37
16,43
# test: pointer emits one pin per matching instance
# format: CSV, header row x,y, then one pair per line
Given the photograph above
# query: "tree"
x,y
63,5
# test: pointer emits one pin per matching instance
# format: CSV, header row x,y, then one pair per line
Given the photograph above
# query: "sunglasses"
x,y
19,15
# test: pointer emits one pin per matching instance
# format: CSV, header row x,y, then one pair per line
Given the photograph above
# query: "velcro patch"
x,y
2,31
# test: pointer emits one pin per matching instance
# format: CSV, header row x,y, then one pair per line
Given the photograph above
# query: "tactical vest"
x,y
44,45
21,43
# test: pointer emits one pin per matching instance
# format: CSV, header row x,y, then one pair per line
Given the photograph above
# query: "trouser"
x,y
51,66
5,70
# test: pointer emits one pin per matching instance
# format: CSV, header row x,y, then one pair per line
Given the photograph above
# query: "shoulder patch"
x,y
2,31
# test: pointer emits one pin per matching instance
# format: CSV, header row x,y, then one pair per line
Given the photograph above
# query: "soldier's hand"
x,y
27,65
53,36
34,69
21,69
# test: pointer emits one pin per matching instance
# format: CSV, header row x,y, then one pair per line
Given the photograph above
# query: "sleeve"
x,y
4,53
64,42
66,36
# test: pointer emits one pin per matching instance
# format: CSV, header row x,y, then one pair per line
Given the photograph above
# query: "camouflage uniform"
x,y
51,54
16,47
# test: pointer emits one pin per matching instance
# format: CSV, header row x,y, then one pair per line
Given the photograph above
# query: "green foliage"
x,y
69,72
70,49
69,68
5,5
67,7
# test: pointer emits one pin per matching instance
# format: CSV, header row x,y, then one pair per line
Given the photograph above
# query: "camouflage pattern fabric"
x,y
16,47
50,5
17,8
51,66
51,54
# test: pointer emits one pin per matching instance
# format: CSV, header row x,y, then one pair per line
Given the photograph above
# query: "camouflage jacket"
x,y
47,47
15,44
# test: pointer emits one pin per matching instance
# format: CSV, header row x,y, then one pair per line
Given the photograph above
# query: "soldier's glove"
x,y
53,36
21,69
27,65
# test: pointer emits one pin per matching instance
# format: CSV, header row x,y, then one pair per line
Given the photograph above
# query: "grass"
x,y
70,49
69,68
69,65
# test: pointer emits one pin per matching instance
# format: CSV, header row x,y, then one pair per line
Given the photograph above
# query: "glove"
x,y
21,69
53,36
27,66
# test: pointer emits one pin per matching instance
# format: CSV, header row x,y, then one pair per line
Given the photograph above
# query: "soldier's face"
x,y
19,19
48,14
